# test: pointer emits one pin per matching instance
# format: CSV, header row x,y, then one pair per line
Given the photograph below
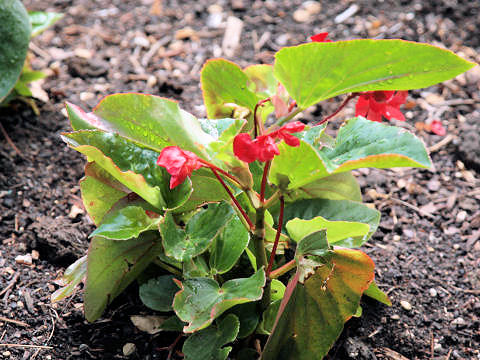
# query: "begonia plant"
x,y
247,224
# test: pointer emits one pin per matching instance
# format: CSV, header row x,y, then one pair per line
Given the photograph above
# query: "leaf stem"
x,y
223,172
257,122
235,201
264,181
283,269
342,105
289,117
277,237
169,268
260,253
267,203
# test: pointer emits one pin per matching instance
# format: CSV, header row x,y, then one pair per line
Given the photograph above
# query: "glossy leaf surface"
x,y
317,71
209,344
201,300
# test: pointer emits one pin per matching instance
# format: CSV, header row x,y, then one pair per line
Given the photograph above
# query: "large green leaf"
x,y
201,300
261,80
317,71
150,120
100,191
224,87
199,233
41,20
228,245
113,265
312,315
126,223
360,143
158,293
335,210
337,231
209,344
14,38
131,164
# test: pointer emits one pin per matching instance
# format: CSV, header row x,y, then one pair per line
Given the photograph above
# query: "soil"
x,y
427,249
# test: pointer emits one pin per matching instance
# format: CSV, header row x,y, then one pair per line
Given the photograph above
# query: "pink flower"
x,y
179,164
320,37
374,104
264,148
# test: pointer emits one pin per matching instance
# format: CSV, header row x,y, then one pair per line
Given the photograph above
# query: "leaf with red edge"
x,y
310,319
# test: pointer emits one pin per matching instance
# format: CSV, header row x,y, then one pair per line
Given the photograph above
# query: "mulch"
x,y
427,248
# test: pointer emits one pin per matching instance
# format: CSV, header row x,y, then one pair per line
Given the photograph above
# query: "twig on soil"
x,y
449,353
12,144
445,141
49,337
28,346
3,334
10,284
16,322
413,207
432,345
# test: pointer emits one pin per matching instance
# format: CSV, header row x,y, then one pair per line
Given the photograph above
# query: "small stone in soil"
x,y
406,305
432,292
128,349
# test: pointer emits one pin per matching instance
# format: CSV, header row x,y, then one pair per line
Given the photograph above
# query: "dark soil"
x,y
426,250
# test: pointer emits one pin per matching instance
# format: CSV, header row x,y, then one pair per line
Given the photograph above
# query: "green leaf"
x,y
126,223
158,293
345,231
268,318
335,210
72,276
130,164
41,20
196,267
14,39
209,344
317,71
261,80
376,293
249,317
312,315
228,245
112,266
100,191
224,85
202,300
314,243
200,231
150,120
341,186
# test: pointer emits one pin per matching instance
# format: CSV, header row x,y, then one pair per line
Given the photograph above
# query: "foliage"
x,y
18,27
211,206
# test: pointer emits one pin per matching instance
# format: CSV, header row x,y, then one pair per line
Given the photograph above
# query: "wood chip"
x,y
231,39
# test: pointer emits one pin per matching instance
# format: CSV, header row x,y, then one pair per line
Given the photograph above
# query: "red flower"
x,y
179,163
264,148
320,37
374,104
437,128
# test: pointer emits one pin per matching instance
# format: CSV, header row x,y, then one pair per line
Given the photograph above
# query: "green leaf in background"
x,y
249,317
72,276
312,317
158,293
336,230
317,71
228,245
196,267
200,231
341,186
112,266
41,20
14,38
100,191
261,80
132,165
224,85
209,344
126,223
376,293
152,121
202,300
335,210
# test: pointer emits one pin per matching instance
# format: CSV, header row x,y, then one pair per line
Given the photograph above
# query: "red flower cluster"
x,y
264,148
374,104
179,163
320,37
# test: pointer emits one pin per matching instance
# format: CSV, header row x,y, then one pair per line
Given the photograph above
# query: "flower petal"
x,y
244,148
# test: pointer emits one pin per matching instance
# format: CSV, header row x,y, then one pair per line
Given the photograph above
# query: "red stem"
x,y
345,102
291,106
277,237
237,204
223,172
257,124
264,181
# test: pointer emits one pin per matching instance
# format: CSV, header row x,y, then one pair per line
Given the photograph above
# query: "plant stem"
x,y
277,237
289,117
283,269
237,204
260,253
344,103
169,268
264,181
267,203
258,123
223,172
